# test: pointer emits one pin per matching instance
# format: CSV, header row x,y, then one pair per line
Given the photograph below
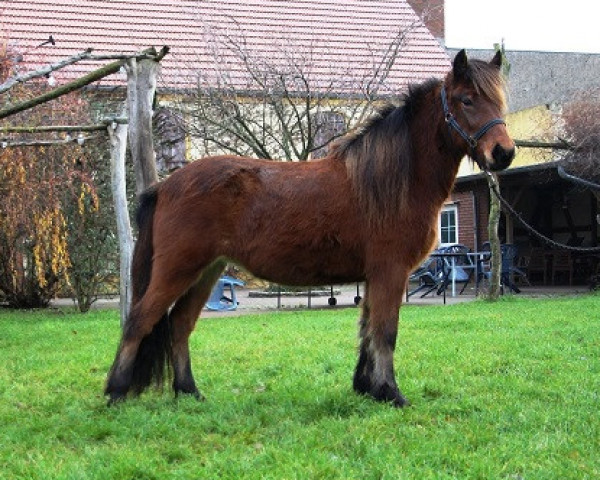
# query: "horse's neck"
x,y
436,161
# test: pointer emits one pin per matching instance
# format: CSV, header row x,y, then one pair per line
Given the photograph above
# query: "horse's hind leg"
x,y
135,369
183,318
374,373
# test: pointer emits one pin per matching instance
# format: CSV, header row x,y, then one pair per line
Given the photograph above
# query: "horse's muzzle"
x,y
502,157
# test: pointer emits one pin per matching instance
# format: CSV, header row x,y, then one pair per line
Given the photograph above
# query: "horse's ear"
x,y
459,67
497,60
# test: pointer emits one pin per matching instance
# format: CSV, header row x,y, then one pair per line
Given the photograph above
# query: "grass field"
x,y
499,391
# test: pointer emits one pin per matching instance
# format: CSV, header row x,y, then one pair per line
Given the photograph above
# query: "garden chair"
x,y
429,276
537,263
509,269
562,263
460,266
218,300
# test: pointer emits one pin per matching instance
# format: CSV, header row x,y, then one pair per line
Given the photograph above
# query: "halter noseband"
x,y
452,123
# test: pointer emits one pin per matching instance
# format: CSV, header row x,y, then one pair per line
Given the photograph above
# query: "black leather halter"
x,y
452,123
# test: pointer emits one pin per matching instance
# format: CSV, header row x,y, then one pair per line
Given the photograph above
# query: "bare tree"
x,y
581,125
281,107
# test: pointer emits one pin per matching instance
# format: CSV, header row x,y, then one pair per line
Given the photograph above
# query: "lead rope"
x,y
532,230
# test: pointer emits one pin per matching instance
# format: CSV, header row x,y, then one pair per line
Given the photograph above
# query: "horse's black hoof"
x,y
193,393
116,398
384,393
198,396
391,394
400,402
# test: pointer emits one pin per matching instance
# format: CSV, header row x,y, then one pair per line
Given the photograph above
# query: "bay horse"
x,y
366,212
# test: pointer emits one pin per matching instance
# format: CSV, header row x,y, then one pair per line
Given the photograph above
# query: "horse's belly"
x,y
300,264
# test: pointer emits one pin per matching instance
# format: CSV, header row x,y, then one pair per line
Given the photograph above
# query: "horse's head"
x,y
474,103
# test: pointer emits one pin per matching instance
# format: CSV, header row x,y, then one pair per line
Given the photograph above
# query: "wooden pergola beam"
x,y
47,70
64,128
91,77
63,89
560,145
47,143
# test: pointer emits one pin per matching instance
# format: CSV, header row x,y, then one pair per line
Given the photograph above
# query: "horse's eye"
x,y
467,101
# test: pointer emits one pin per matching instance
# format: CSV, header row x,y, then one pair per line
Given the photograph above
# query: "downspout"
x,y
475,221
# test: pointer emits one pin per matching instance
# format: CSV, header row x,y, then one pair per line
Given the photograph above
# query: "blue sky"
x,y
544,25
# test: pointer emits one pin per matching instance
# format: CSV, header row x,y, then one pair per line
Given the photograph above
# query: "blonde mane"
x,y
488,82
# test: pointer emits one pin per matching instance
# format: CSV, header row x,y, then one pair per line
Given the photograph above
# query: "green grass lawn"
x,y
499,391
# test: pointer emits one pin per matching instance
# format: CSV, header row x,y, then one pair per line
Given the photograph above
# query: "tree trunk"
x,y
496,256
118,144
141,85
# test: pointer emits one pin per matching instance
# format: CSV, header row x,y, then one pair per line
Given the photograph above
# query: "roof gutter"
x,y
580,181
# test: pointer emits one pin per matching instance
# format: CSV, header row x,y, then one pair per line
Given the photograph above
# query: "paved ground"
x,y
344,296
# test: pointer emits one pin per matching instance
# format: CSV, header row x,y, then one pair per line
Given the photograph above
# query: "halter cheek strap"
x,y
453,124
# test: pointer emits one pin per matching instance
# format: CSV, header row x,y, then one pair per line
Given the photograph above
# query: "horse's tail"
x,y
153,360
141,266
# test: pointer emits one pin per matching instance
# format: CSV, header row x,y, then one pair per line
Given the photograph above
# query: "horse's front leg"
x,y
183,318
378,324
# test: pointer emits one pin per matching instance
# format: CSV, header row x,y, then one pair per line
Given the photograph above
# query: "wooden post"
x,y
118,144
496,255
141,85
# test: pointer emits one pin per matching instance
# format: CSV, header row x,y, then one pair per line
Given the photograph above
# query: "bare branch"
x,y
271,106
581,124
79,83
560,145
42,143
385,63
11,82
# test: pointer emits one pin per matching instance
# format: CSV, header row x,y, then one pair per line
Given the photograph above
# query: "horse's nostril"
x,y
502,155
511,154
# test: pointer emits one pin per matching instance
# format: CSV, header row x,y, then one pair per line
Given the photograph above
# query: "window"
x,y
448,225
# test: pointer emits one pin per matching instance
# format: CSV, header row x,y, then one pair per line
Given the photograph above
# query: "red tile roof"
x,y
327,35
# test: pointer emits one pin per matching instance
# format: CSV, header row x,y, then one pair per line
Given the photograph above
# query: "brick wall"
x,y
466,223
482,198
473,211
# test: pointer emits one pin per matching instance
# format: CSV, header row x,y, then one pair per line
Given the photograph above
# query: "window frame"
x,y
447,209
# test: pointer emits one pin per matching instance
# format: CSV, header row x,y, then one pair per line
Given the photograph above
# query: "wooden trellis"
x,y
141,71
